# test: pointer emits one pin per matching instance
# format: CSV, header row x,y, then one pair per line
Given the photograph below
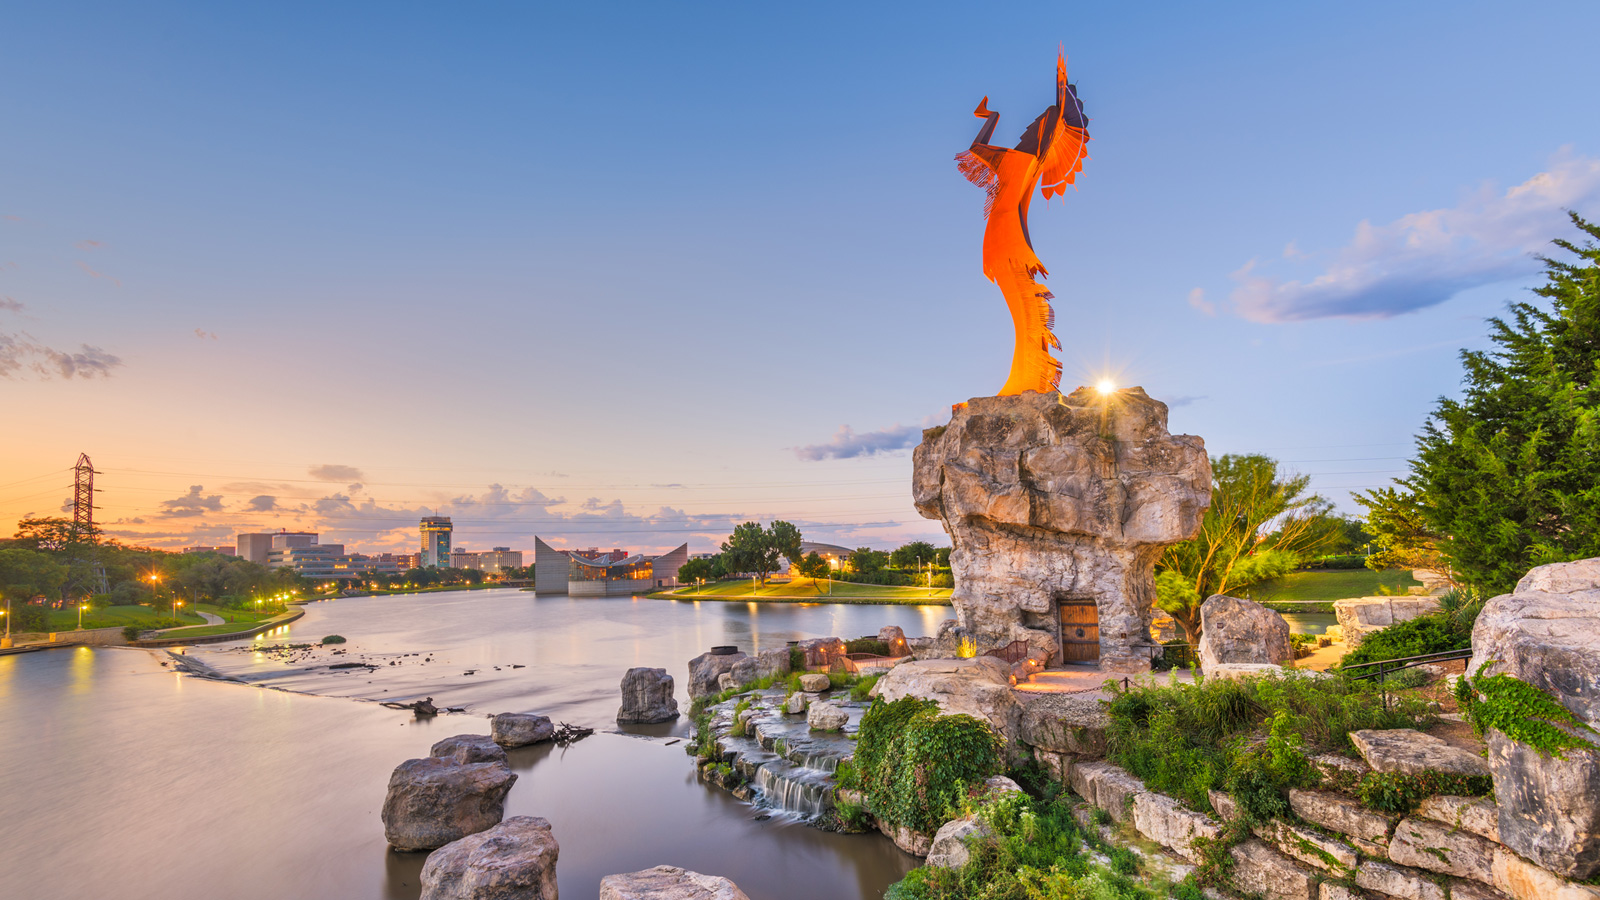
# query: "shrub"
x,y
797,659
1432,633
740,728
1253,735
1522,713
867,645
913,764
333,639
862,688
132,632
1397,792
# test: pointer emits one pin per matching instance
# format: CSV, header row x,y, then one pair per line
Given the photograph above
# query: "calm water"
x,y
121,778
1309,623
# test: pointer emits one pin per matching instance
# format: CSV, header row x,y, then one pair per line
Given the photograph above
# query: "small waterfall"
x,y
793,788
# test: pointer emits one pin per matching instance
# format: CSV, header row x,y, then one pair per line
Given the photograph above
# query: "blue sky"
x,y
620,274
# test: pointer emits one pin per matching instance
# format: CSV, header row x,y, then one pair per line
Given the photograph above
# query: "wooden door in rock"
x,y
1080,630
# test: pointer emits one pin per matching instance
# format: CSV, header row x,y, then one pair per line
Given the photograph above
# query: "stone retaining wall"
x,y
1448,848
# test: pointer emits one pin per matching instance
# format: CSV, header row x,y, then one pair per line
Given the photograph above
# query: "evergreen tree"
x,y
1508,477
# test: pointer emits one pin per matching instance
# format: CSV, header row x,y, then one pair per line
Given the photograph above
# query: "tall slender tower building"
x,y
435,542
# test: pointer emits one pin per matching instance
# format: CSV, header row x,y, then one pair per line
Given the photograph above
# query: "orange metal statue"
x,y
1050,154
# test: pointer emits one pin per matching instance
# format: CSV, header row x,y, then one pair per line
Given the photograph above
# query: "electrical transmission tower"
x,y
83,524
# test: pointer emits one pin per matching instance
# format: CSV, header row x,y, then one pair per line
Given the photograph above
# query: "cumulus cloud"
x,y
1424,258
336,473
194,503
847,444
19,352
262,503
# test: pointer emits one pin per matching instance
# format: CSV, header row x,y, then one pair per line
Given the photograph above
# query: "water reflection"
x,y
184,787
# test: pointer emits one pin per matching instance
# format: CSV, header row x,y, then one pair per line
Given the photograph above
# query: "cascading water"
x,y
781,764
793,788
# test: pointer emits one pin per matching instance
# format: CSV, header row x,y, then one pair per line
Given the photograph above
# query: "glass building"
x,y
435,542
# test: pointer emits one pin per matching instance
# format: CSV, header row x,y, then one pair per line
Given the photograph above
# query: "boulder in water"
x,y
434,801
515,860
826,717
705,671
814,682
469,748
521,729
647,697
668,883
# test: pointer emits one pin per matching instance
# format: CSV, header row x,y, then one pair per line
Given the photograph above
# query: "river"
x,y
121,778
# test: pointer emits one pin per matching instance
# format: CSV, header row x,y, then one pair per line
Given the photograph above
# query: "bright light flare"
x,y
1106,386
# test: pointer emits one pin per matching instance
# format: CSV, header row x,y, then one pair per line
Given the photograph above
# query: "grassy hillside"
x,y
1333,584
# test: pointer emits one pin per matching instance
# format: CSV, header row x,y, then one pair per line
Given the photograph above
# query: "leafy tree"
x,y
694,570
1508,477
785,539
814,566
867,561
913,555
50,534
751,548
1259,523
25,574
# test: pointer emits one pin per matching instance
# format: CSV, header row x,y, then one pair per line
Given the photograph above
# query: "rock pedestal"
x,y
434,801
647,697
1239,631
515,860
470,748
1049,497
1547,633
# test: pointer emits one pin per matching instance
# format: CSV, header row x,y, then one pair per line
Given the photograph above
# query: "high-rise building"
x,y
254,547
463,559
493,561
435,542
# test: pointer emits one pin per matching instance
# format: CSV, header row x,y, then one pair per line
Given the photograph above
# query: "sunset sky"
x,y
627,274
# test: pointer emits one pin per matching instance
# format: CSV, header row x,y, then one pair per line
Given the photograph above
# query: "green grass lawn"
x,y
206,631
807,589
1332,584
238,615
117,616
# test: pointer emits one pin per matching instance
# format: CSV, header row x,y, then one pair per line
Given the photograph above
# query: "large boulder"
x,y
647,697
668,883
1410,752
1547,633
469,748
515,860
895,637
823,653
772,663
979,687
434,801
521,729
950,848
705,671
826,717
1064,723
1360,616
1048,497
814,682
1239,631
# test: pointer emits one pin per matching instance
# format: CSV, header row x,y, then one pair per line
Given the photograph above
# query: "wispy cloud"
x,y
1424,258
93,274
203,334
12,306
1184,400
336,473
847,444
20,353
88,245
1197,299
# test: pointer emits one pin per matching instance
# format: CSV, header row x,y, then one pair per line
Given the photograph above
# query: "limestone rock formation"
x,y
706,669
1048,497
647,697
815,681
515,860
469,748
826,717
772,662
824,653
668,883
434,801
521,729
1547,633
1411,752
979,687
1360,616
949,849
895,637
1239,631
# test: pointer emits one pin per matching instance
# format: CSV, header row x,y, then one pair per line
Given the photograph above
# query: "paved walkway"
x,y
210,618
1086,679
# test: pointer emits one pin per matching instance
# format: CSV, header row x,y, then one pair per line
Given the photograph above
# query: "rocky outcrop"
x,y
823,653
1239,631
1107,786
1345,815
1436,846
469,748
521,729
1241,671
772,663
1361,616
979,687
668,883
895,637
1477,815
1547,633
434,801
515,860
1064,723
706,669
950,848
1259,869
1048,497
1411,752
1167,822
826,717
647,697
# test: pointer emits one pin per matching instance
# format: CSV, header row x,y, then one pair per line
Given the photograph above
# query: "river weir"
x,y
779,762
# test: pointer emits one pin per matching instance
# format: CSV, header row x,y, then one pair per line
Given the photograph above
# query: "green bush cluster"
x,y
913,764
1251,737
867,645
1448,629
1036,851
1400,793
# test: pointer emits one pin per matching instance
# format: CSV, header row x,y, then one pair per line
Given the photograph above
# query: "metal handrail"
x,y
1385,666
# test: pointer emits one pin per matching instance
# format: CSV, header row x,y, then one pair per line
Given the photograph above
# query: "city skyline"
x,y
337,279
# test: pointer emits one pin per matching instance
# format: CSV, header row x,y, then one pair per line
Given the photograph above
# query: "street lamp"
x,y
175,604
81,608
7,615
